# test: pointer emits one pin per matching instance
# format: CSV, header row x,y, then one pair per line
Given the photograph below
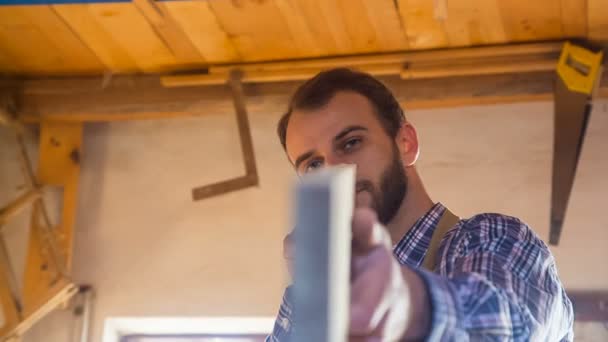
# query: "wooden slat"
x,y
474,22
170,32
494,66
203,29
256,28
332,14
385,18
76,54
58,295
325,24
527,20
83,22
551,49
574,18
361,32
597,20
26,44
17,206
40,42
7,64
128,27
421,27
299,28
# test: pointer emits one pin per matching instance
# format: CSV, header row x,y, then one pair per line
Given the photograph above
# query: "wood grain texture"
x,y
82,100
423,30
386,21
132,32
170,32
574,18
82,21
474,22
299,28
152,36
597,25
257,29
37,41
526,20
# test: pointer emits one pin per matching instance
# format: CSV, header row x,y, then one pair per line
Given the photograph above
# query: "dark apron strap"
x,y
447,221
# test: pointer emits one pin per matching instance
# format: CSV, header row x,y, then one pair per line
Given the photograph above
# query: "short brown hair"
x,y
319,90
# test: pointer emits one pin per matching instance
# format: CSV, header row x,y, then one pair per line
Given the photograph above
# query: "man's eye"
x,y
351,143
313,165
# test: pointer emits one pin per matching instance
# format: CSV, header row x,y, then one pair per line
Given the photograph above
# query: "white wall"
x,y
149,250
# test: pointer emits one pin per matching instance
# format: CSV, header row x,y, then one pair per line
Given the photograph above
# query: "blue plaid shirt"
x,y
495,281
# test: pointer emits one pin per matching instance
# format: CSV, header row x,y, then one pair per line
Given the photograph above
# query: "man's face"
x,y
347,131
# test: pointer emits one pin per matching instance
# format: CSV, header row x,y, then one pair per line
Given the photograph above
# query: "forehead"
x,y
310,129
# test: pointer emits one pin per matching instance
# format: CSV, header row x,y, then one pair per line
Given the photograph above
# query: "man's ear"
x,y
407,143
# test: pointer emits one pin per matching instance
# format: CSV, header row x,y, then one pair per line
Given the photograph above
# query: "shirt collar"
x,y
411,249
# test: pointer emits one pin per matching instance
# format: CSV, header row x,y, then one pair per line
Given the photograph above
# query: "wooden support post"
x,y
50,247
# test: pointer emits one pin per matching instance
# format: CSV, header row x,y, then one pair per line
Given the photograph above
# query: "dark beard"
x,y
393,187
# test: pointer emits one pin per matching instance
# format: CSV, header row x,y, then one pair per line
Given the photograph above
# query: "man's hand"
x,y
380,298
388,301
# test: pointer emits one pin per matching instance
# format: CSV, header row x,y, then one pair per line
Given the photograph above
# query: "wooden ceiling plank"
x,y
574,18
7,63
81,20
144,46
318,24
78,56
359,28
170,32
299,28
474,22
526,20
597,20
24,42
385,18
202,27
332,14
256,28
423,30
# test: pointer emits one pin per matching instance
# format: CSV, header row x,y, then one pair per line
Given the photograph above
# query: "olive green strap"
x,y
447,221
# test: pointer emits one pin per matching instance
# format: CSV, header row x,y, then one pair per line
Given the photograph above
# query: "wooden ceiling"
x,y
150,36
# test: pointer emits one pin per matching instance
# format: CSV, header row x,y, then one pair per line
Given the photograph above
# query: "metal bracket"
x,y
251,175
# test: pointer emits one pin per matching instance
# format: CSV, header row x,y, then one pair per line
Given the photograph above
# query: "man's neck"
x,y
416,203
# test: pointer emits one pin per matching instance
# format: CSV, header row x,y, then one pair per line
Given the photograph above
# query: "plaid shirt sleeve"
x,y
497,281
284,321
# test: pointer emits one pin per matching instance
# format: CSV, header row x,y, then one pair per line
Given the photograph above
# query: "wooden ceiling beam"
x,y
499,59
143,97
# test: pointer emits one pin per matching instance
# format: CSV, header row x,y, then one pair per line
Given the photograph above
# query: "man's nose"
x,y
333,160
